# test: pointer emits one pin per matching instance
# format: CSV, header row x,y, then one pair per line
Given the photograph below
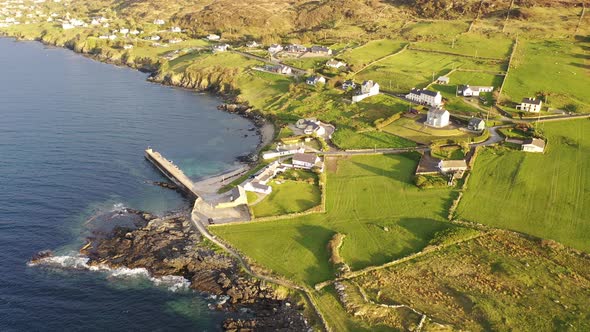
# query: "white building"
x,y
175,29
220,48
275,48
213,37
443,80
159,22
476,124
447,166
530,105
314,80
311,126
307,161
124,31
437,117
283,151
155,38
252,44
279,69
427,97
468,91
533,145
368,89
335,64
67,26
127,46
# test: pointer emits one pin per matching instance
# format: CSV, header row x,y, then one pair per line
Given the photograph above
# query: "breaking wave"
x,y
79,262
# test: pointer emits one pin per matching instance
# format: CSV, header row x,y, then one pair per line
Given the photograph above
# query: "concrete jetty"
x,y
172,172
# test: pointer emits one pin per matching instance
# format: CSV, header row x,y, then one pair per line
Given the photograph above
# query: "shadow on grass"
x,y
315,239
401,173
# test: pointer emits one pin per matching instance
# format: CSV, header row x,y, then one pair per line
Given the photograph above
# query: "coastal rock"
x,y
170,246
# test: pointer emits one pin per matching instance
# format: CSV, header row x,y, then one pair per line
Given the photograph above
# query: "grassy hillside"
x,y
372,199
546,195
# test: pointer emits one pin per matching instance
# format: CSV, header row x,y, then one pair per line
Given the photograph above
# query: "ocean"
x,y
72,138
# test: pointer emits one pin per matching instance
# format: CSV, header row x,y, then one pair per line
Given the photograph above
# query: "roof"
x,y
316,48
475,121
430,93
535,141
531,101
309,158
437,111
453,163
443,78
258,185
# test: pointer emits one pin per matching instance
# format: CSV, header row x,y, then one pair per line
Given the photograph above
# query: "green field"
x,y
412,130
372,199
262,89
472,44
288,197
348,139
371,51
559,68
411,69
476,78
546,195
437,29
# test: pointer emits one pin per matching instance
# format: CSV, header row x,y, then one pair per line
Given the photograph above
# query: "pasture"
x,y
418,132
348,139
371,51
471,44
558,68
410,69
545,195
371,199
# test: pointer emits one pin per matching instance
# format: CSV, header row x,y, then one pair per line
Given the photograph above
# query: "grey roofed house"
x,y
535,141
532,101
348,85
429,93
443,80
309,158
313,80
320,49
476,124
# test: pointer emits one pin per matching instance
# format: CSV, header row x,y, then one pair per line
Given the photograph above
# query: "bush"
x,y
382,123
425,181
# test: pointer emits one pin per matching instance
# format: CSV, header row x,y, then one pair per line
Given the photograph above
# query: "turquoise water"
x,y
72,135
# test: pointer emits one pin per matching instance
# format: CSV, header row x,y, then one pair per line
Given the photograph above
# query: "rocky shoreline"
x,y
170,246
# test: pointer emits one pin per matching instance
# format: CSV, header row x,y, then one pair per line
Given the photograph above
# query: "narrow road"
x,y
196,218
295,70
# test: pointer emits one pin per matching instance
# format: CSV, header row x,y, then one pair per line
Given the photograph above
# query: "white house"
x,y
530,105
252,44
443,80
307,161
275,48
174,40
348,85
159,22
335,64
476,124
67,26
220,48
295,48
127,46
135,32
279,69
447,166
427,97
257,187
533,145
314,80
437,117
368,89
175,29
155,38
468,91
213,37
320,50
283,151
311,126
124,31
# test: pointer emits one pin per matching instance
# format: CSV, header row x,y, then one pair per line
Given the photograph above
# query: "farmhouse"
x,y
259,182
275,48
468,91
443,80
285,150
159,22
213,37
220,48
295,48
257,187
348,85
310,126
368,89
437,117
320,50
252,44
533,145
314,80
426,97
476,124
335,64
279,69
175,29
307,161
530,105
448,166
